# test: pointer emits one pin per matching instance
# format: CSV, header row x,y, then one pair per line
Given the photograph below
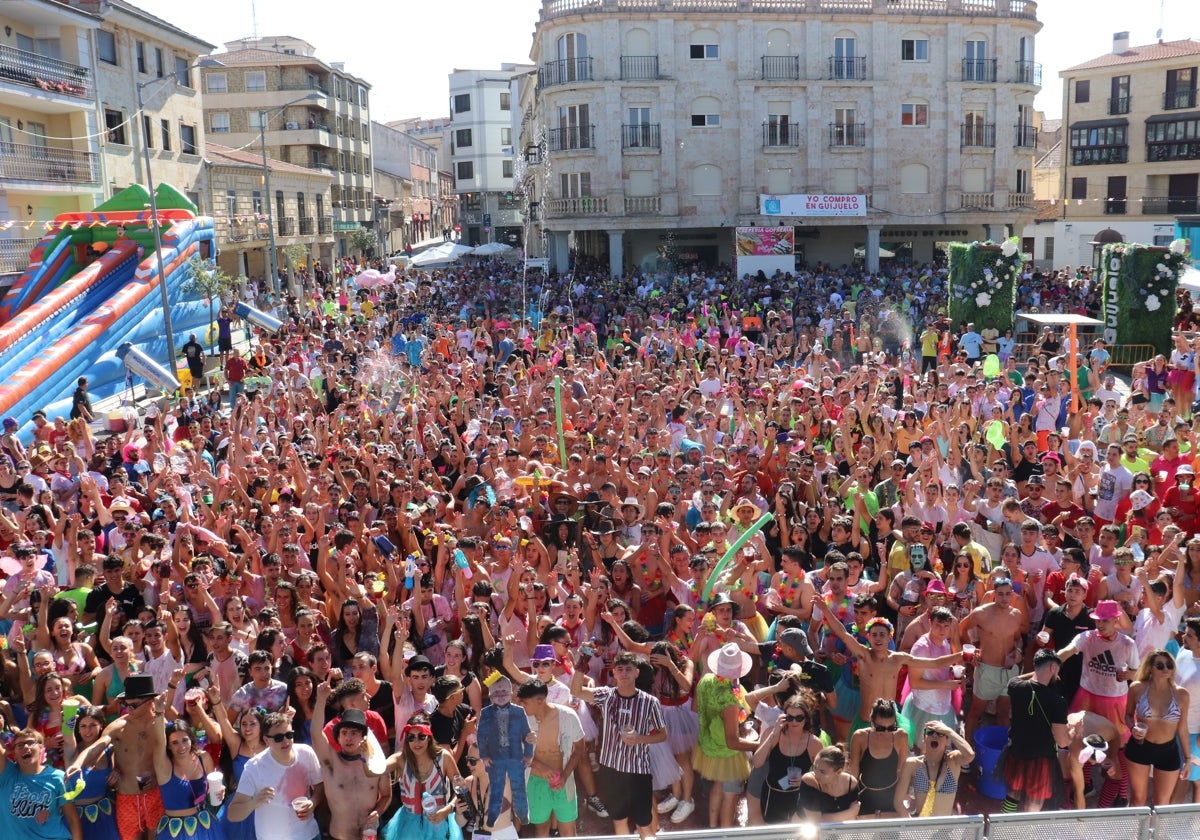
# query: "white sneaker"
x,y
682,811
668,804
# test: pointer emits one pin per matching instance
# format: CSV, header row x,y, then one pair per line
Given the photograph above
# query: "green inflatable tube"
x,y
562,449
762,522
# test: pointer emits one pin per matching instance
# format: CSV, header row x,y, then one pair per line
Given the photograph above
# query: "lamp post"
x,y
162,280
272,269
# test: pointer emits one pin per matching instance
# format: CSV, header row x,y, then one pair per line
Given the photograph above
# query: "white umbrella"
x,y
491,248
446,252
1190,279
884,253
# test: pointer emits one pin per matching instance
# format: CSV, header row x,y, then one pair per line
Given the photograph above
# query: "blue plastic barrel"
x,y
989,741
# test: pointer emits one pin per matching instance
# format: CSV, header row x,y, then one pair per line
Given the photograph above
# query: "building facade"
x,y
655,128
232,192
406,188
136,50
311,113
482,157
1130,158
47,92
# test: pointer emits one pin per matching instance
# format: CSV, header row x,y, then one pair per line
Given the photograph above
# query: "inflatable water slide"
x,y
92,287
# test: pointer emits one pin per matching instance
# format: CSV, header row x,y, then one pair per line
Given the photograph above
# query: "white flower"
x,y
1008,248
1161,268
1152,303
984,299
1179,246
1000,263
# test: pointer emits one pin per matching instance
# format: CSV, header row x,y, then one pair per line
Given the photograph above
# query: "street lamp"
x,y
162,280
262,135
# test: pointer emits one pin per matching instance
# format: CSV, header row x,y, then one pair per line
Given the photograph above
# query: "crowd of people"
x,y
474,552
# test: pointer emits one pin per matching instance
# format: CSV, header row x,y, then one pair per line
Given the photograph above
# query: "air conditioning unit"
x,y
292,126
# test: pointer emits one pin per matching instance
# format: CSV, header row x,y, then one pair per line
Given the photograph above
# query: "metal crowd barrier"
x,y
1170,822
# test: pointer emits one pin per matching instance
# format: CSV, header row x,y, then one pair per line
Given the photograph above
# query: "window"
x,y
165,127
575,184
1048,249
147,136
1169,139
914,179
974,179
1083,91
914,114
365,133
362,97
183,74
464,170
706,112
506,136
845,181
1079,188
462,138
255,120
1119,101
256,80
230,203
187,139
574,128
301,206
337,88
279,205
114,124
845,58
779,130
1100,144
705,52
106,46
218,122
779,181
216,83
706,179
506,168
1181,89
914,49
1024,182
505,101
462,103
159,65
140,52
1118,197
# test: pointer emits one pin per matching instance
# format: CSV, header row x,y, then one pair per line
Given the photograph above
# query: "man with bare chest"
x,y
1001,628
355,797
139,804
878,667
557,751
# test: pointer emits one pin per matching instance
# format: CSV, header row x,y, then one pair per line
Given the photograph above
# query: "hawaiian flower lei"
x,y
789,589
652,581
840,612
736,688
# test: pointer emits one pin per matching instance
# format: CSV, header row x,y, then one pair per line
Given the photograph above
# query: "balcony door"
x,y
572,49
575,127
976,56
639,127
845,50
1181,193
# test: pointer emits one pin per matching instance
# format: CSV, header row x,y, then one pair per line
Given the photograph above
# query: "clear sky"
x,y
406,49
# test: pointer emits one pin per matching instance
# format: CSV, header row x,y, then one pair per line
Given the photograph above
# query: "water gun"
x,y
460,560
410,570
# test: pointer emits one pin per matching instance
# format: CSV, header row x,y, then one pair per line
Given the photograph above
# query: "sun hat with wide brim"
x,y
729,662
746,503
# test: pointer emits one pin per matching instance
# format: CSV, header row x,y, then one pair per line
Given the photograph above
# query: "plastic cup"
x,y
70,708
958,671
300,803
368,834
968,652
1139,730
1043,638
216,788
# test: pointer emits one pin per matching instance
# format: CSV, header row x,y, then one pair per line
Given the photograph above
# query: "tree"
x,y
363,240
296,255
209,281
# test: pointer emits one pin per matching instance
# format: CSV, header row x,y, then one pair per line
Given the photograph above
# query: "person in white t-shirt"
x,y
281,786
1156,622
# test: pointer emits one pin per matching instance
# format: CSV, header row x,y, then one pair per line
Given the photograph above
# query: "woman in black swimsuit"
x,y
828,793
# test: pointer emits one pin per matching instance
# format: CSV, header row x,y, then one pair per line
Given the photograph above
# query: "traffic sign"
x,y
487,218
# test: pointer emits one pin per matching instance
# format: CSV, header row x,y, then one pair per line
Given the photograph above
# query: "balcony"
x,y
979,136
1099,155
1157,152
1170,205
847,134
1020,201
780,135
19,162
1173,100
643,205
324,225
585,206
978,201
234,231
39,71
1026,136
309,85
286,226
1119,104
322,165
565,71
14,254
639,68
849,69
979,70
781,68
308,226
640,136
571,138
1028,73
1116,206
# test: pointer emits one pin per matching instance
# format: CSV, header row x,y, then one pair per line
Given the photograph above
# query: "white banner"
x,y
805,204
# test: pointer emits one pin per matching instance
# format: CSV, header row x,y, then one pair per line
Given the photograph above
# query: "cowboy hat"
x,y
720,600
746,503
605,527
558,496
631,501
729,662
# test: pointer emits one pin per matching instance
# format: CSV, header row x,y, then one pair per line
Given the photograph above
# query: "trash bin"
x,y
989,741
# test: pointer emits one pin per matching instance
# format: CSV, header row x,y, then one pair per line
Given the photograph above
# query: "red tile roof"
x,y
219,155
1136,55
1045,210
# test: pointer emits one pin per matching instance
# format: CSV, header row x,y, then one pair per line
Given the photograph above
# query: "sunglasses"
x,y
417,736
795,718
931,733
1163,666
891,728
283,736
539,663
471,762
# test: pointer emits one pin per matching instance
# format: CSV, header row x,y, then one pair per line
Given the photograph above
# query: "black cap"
x,y
351,717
